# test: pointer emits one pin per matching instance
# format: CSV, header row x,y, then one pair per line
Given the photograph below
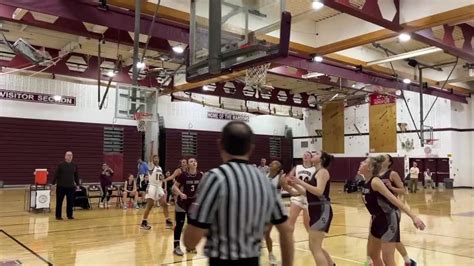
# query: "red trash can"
x,y
41,176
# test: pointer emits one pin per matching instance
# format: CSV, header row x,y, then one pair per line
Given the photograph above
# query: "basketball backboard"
x,y
131,99
228,35
428,134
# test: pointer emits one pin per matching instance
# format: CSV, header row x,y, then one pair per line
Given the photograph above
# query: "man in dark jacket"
x,y
67,179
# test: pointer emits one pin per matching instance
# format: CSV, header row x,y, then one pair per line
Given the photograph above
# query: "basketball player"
x,y
275,175
383,206
319,206
185,187
130,191
298,199
395,184
182,168
155,193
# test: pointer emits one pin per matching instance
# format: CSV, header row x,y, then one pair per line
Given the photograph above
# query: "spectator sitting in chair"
x,y
130,191
105,183
428,179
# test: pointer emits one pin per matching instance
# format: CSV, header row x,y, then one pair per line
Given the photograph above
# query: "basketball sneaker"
x,y
411,263
178,252
145,225
169,224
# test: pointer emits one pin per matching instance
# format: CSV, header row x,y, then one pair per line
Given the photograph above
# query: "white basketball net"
x,y
256,77
142,120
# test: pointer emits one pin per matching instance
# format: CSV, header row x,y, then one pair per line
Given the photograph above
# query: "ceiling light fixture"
x,y
208,88
178,49
424,51
317,4
334,97
318,58
312,75
140,65
404,37
406,81
110,74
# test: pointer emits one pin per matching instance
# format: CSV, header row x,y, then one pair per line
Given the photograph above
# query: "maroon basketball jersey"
x,y
189,184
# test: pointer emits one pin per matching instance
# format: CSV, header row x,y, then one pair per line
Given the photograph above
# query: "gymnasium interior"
x,y
114,81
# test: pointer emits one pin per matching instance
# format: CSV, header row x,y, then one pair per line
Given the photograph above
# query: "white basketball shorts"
x,y
154,192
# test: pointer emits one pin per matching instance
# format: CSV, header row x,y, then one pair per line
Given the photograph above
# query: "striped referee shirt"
x,y
235,202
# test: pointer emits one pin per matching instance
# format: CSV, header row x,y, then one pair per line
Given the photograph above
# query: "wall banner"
x,y
228,116
34,97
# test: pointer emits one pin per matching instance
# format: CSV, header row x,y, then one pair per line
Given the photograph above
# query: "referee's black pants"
x,y
62,192
240,262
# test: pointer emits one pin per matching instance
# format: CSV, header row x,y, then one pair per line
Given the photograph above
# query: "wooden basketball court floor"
x,y
112,237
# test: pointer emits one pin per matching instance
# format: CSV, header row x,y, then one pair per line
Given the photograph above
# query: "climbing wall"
x,y
383,123
333,127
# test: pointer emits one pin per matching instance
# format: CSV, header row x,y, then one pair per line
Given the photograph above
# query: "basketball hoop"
x,y
430,141
142,118
256,77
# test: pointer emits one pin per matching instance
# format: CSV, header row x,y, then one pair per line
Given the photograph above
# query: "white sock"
x,y
406,259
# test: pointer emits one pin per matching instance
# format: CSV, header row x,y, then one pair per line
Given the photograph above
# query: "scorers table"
x,y
38,198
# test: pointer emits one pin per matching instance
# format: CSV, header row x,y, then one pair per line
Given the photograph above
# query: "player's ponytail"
x,y
376,164
326,159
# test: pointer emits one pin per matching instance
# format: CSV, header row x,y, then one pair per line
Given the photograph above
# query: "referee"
x,y
234,204
67,178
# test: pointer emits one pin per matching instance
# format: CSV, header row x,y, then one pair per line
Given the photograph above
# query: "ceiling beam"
x,y
342,83
19,13
223,78
298,73
149,8
60,68
308,90
449,17
365,77
411,54
370,11
447,43
77,28
384,70
274,98
455,80
114,17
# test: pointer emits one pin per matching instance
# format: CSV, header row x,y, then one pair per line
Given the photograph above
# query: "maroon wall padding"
x,y
208,153
115,161
27,144
344,168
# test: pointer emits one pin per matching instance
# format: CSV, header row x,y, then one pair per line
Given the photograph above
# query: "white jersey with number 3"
x,y
304,174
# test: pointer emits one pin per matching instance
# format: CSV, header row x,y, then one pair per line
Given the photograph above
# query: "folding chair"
x,y
92,193
81,198
117,195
